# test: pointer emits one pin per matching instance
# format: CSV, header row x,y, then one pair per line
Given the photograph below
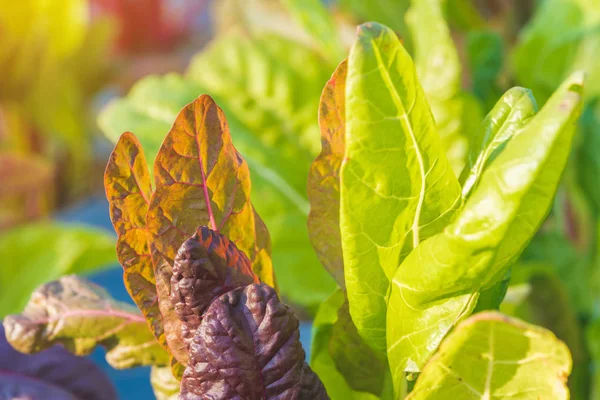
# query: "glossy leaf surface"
x,y
397,187
80,316
250,334
491,356
128,186
201,179
438,284
207,266
514,109
324,177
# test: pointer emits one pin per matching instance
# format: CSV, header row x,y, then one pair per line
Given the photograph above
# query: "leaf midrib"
x,y
404,118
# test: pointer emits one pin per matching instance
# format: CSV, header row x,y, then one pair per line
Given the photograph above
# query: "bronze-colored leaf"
x,y
201,179
128,188
324,177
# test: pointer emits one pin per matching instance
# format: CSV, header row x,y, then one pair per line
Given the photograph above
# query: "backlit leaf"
x,y
456,113
439,282
80,316
324,177
128,188
201,179
514,109
397,187
491,356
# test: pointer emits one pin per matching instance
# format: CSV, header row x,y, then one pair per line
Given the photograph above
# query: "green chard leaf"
x,y
43,251
397,187
491,356
389,12
201,180
129,188
439,282
456,113
324,177
321,360
80,315
546,303
514,109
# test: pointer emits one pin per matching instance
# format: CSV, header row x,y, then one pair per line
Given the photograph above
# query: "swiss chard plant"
x,y
421,255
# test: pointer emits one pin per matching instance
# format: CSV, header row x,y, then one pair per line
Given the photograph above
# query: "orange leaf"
x,y
324,177
128,189
201,179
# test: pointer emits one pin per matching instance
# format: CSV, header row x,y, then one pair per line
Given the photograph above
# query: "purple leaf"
x,y
248,347
52,374
206,266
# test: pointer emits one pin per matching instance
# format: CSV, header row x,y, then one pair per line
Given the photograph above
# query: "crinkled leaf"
x,y
275,130
320,358
250,334
514,109
363,369
128,188
201,179
324,177
207,266
80,315
491,356
438,68
397,187
439,282
542,59
52,374
269,87
37,253
164,384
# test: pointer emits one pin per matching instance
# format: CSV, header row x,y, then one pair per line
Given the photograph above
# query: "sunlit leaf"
x,y
439,282
491,356
201,179
80,316
324,177
128,188
514,109
397,187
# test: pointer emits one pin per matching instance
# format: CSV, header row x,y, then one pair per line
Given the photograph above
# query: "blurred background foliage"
x,y
78,73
